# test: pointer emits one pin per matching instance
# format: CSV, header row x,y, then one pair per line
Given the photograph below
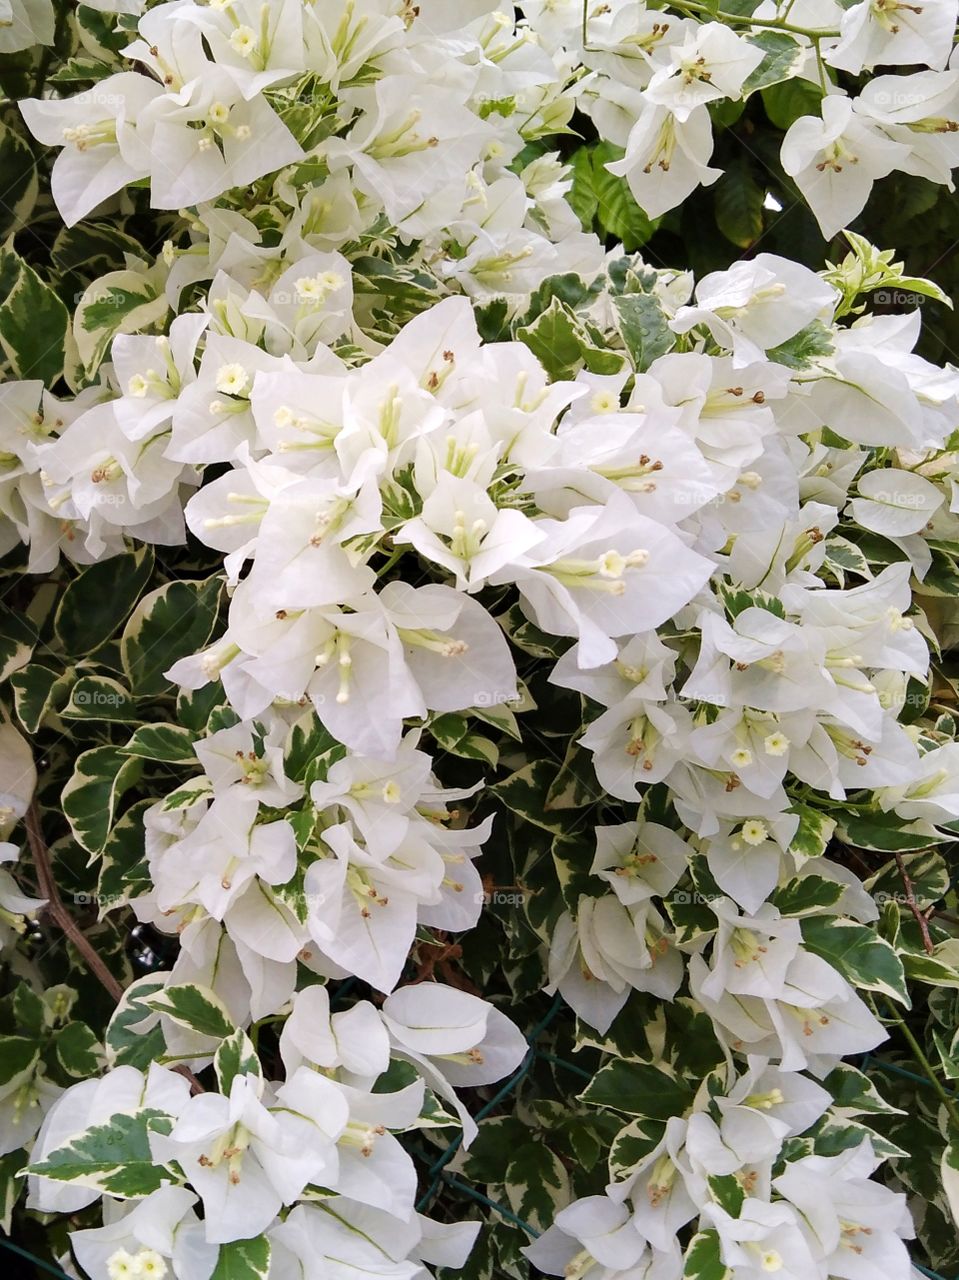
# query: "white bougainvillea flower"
x,y
604,573
834,161
607,950
97,130
712,62
247,1155
666,158
764,1238
205,137
152,1238
855,1224
639,860
591,1239
454,1039
894,34
756,305
351,1040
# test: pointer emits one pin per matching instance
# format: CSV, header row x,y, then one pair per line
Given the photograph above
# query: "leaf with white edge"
x,y
90,798
196,1007
33,321
119,302
887,833
243,1260
12,1182
123,866
703,1260
941,969
805,895
170,623
17,640
20,186
537,1184
133,1036
928,874
112,1158
95,604
18,1057
867,961
100,698
638,1089
235,1057
77,1050
453,734
37,691
633,1143
854,1093
643,327
167,742
782,57
843,556
728,1193
949,1169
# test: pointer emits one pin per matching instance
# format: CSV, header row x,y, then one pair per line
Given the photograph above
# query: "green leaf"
x,y
866,960
633,1143
170,623
949,1170
855,1094
36,691
843,556
33,321
96,604
941,969
17,640
783,56
193,1006
525,792
638,1089
803,349
100,698
127,1042
12,1182
123,860
814,832
643,327
728,1193
119,302
20,185
886,833
112,1158
167,742
536,1184
618,214
739,203
804,894
99,779
235,1057
243,1260
453,734
788,100
76,1048
18,1057
703,1260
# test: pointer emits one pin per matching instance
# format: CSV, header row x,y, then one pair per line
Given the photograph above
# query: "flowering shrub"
x,y
478,747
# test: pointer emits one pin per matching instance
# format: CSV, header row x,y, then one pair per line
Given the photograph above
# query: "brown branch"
x,y
913,905
57,911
